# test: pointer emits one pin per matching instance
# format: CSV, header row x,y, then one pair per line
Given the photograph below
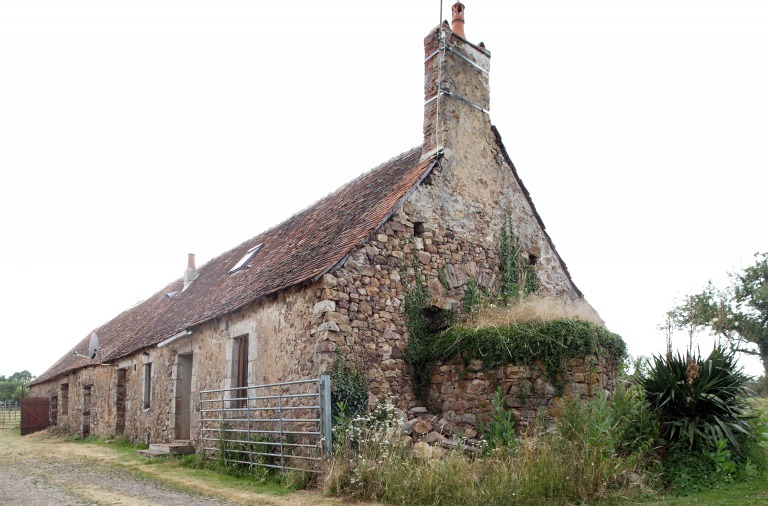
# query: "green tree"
x,y
22,377
737,315
11,386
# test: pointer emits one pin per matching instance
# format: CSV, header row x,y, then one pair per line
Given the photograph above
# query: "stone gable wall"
x,y
360,308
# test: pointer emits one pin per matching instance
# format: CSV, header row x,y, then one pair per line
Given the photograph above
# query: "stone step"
x,y
151,454
172,448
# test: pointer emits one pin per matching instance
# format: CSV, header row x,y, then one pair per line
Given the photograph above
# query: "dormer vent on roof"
x,y
246,258
190,273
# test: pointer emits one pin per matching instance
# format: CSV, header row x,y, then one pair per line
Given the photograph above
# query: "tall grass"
x,y
535,308
375,463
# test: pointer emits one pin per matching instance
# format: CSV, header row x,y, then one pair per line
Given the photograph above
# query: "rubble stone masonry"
x,y
448,226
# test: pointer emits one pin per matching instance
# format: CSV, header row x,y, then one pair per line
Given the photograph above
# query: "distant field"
x,y
760,403
9,418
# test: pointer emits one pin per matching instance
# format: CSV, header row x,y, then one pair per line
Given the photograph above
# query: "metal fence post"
x,y
325,413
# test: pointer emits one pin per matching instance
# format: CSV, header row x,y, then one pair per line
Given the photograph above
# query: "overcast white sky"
x,y
135,132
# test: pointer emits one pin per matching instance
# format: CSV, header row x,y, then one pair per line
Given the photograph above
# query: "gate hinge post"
x,y
325,414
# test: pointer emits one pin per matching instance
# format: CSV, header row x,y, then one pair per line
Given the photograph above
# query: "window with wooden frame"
x,y
54,415
64,398
241,371
147,396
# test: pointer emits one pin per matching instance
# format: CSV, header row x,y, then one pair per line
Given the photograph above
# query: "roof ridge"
x,y
265,232
310,241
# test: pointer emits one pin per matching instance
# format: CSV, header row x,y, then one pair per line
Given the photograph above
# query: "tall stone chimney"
x,y
456,85
190,273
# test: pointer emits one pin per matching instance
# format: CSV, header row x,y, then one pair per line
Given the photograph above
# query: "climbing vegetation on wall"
x,y
349,389
517,275
550,343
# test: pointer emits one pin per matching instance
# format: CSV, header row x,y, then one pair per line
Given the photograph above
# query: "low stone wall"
x,y
463,392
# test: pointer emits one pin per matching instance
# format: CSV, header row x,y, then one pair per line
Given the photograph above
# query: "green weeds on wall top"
x,y
551,343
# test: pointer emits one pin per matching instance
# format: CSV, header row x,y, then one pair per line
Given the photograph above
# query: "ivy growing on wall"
x,y
419,329
517,276
551,344
349,389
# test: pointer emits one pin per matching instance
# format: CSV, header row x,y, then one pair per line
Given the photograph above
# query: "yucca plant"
x,y
699,400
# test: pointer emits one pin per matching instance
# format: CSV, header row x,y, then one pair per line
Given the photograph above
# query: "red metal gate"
x,y
34,414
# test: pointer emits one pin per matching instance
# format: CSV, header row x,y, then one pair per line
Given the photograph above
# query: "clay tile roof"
x,y
301,248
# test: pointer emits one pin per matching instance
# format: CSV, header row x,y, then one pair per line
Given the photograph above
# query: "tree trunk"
x,y
762,347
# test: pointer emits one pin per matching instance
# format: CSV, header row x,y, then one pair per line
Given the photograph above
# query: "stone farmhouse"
x,y
329,280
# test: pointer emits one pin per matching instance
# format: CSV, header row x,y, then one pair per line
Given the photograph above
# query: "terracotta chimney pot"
x,y
457,22
190,273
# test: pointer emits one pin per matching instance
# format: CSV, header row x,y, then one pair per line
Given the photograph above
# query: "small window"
x,y
532,259
242,371
418,229
147,397
64,398
54,416
246,258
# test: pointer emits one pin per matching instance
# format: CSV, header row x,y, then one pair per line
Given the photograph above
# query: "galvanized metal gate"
x,y
10,415
35,414
278,425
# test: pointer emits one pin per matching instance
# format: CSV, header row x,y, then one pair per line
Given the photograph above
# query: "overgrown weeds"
x,y
374,462
535,308
602,449
549,343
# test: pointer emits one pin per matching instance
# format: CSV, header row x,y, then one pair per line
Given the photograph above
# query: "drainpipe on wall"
x,y
173,338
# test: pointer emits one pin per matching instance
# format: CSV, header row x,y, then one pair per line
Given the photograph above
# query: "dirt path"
x,y
41,470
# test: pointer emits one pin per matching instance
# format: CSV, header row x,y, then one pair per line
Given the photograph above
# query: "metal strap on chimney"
x,y
454,95
432,55
478,67
443,46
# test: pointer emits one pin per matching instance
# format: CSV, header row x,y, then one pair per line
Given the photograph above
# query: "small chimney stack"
x,y
457,21
190,273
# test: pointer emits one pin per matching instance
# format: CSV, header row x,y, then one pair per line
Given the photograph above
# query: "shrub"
x,y
591,423
636,426
755,453
499,431
686,471
699,401
349,390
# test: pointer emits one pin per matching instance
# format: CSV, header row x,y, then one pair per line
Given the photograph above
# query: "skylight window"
x,y
246,258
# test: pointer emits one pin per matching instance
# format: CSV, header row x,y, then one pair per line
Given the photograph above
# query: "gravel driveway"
x,y
38,470
34,481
